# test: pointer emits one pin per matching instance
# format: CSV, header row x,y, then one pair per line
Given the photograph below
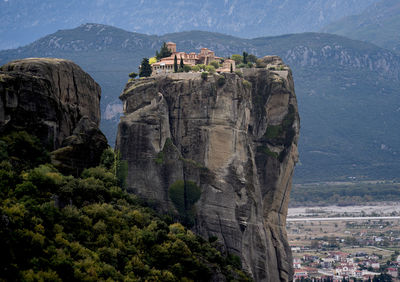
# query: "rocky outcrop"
x,y
56,101
219,152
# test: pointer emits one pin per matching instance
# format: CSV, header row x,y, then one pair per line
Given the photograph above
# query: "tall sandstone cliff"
x,y
59,103
219,153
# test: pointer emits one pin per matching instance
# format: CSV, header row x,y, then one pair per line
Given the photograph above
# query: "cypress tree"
x,y
175,64
181,64
145,68
245,54
164,52
231,68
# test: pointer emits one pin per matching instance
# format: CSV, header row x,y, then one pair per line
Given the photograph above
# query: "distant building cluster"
x,y
336,266
205,57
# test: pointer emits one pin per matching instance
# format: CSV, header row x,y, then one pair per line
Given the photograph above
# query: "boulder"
x,y
55,100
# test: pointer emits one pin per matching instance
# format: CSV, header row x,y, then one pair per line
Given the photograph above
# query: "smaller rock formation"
x,y
58,102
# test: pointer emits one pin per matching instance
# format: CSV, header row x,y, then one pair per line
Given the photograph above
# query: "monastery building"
x,y
205,57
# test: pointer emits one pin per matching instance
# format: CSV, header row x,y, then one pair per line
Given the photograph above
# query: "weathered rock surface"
x,y
56,101
231,139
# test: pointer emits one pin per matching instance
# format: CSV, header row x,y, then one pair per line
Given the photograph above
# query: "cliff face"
x,y
220,153
59,103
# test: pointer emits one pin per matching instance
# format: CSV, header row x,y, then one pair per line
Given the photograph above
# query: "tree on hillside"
x,y
181,64
145,68
164,52
175,64
231,68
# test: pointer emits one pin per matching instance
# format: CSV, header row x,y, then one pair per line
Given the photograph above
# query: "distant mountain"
x,y
347,90
26,20
379,24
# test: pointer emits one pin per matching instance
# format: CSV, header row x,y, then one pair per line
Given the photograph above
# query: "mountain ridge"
x,y
23,20
347,97
377,24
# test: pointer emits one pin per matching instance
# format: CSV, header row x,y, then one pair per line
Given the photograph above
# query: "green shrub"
x,y
246,84
212,239
196,68
3,151
133,75
221,80
177,193
260,63
215,64
202,67
241,66
160,157
107,158
23,150
237,58
234,260
273,131
252,58
210,69
204,75
187,68
239,73
270,153
122,172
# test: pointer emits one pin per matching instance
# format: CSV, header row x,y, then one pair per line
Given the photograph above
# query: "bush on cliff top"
x,y
62,228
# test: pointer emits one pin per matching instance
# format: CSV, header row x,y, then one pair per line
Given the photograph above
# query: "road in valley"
x,y
342,218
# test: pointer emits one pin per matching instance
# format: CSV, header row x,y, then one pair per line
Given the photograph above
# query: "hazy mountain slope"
x,y
347,90
26,20
379,24
349,104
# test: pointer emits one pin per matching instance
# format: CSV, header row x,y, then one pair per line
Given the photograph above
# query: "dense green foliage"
x,y
344,194
210,69
22,150
245,55
133,75
204,75
175,64
164,52
237,58
221,80
145,68
184,194
215,64
55,227
181,64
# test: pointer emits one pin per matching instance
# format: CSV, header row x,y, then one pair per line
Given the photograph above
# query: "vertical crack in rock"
x,y
235,143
